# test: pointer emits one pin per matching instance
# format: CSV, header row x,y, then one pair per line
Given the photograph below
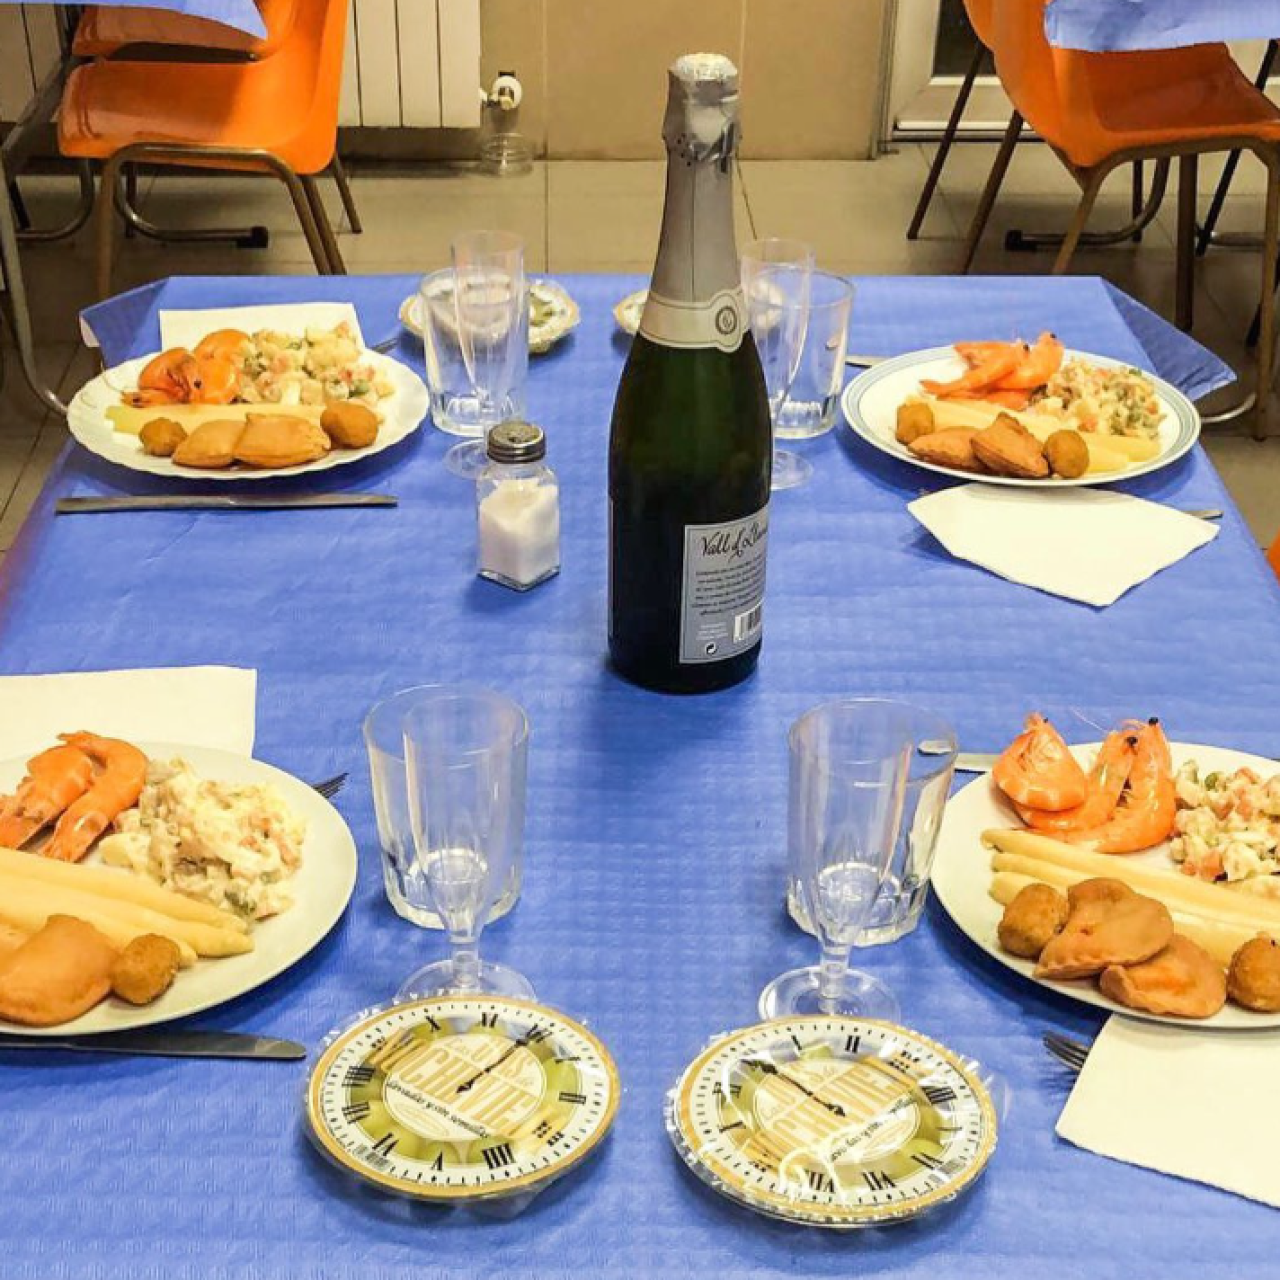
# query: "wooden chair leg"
x,y
1185,246
336,265
982,214
1093,179
1267,306
339,172
944,145
104,224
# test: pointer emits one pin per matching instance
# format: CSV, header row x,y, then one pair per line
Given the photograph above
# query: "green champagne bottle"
x,y
691,445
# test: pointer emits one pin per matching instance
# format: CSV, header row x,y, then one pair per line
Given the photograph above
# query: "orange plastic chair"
x,y
277,116
103,32
1099,111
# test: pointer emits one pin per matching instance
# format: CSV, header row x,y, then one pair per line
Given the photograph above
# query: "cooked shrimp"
x,y
221,343
985,374
218,381
1107,779
1145,814
1038,770
55,778
974,353
118,786
1039,364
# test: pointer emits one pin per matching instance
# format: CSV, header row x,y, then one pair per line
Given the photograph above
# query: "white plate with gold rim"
x,y
321,887
962,876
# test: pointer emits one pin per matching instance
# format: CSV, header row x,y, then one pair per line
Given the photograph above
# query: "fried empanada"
x,y
59,973
350,424
1036,913
951,447
1099,889
280,440
1007,448
1182,979
211,446
1254,977
1104,933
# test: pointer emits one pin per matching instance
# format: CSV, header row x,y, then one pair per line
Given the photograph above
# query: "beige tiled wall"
x,y
593,70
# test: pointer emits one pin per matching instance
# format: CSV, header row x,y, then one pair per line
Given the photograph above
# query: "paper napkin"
x,y
200,706
1090,545
1196,1104
186,328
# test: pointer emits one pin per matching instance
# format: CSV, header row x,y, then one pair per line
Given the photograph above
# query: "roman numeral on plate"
x,y
500,1156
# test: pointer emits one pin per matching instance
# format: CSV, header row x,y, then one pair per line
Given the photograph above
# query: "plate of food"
x,y
627,313
1133,874
553,314
1018,413
141,882
250,406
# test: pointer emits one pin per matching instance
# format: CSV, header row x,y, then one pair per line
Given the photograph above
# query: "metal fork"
x,y
1071,1053
330,786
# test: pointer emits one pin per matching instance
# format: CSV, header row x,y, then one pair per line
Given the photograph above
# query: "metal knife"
x,y
223,502
975,761
168,1044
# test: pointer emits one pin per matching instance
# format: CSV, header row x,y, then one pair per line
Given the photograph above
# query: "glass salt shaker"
x,y
518,508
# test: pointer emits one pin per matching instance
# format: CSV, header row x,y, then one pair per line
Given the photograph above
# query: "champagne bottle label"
x,y
722,603
717,321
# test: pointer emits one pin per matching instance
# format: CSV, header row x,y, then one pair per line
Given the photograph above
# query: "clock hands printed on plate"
x,y
768,1068
532,1036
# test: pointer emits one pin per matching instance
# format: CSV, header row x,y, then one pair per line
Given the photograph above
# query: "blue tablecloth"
x,y
243,15
1103,26
654,873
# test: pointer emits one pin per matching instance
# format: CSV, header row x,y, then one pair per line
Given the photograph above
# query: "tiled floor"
x,y
604,217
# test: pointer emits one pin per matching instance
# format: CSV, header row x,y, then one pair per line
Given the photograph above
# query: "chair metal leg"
x,y
944,146
84,211
1184,275
1092,184
1028,241
1136,198
104,223
336,265
339,172
20,215
982,214
1267,307
1207,230
130,197
306,218
256,237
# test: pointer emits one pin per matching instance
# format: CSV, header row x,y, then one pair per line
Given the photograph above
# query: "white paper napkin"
x,y
1196,1104
202,706
1091,545
186,328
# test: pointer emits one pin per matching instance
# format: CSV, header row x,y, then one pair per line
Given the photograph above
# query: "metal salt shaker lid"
x,y
516,442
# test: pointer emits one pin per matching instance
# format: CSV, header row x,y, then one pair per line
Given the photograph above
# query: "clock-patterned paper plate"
x,y
462,1097
836,1122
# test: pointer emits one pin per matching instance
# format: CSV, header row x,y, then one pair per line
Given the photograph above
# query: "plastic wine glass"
x,y
775,282
465,762
492,309
849,766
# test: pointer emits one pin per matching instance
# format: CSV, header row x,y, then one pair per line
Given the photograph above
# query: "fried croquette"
x,y
1181,979
1031,919
1100,934
951,447
1254,977
1099,889
59,973
145,969
1067,453
915,419
211,446
161,436
1007,448
279,440
351,425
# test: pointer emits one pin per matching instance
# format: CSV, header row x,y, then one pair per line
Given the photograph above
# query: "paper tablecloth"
x,y
654,873
1103,26
243,15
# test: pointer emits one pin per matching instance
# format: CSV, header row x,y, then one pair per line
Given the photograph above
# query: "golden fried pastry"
x,y
1031,919
1099,889
1067,453
161,436
1181,979
351,425
915,419
279,440
1007,448
1100,934
211,446
145,969
1254,977
951,447
57,974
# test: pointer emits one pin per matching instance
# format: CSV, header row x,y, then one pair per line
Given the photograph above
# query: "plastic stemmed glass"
x,y
849,766
776,277
465,763
492,306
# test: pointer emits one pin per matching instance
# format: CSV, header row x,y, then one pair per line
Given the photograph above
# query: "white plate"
x,y
870,403
962,876
560,315
402,413
322,886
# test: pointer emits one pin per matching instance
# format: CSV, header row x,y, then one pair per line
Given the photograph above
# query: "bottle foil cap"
x,y
516,442
701,123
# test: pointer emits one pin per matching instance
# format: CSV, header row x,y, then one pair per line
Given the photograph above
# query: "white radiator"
x,y
412,63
